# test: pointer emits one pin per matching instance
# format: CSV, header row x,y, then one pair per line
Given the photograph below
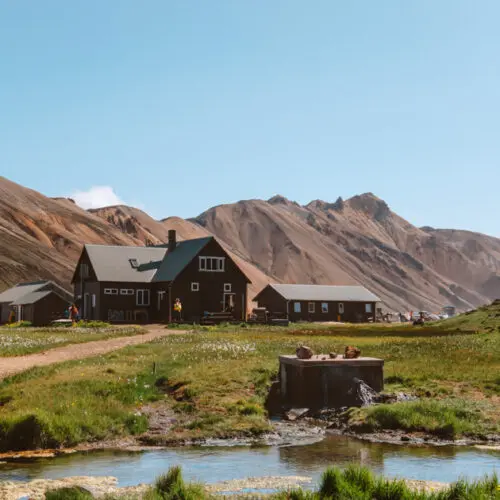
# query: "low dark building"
x,y
141,284
39,302
353,304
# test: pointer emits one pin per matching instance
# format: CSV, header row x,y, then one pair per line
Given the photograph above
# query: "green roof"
x,y
31,298
174,262
151,264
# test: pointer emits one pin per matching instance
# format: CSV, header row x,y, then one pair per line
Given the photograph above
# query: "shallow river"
x,y
216,464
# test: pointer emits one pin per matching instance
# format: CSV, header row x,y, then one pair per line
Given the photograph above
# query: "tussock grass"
x,y
359,483
447,419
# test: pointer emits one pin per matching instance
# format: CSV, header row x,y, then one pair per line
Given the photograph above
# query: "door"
x,y
228,302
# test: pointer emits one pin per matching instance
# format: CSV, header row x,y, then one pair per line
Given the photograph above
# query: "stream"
x,y
215,464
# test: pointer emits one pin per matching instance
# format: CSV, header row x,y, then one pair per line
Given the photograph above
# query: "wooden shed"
x,y
353,304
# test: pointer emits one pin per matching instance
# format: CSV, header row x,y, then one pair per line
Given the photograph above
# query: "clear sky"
x,y
176,106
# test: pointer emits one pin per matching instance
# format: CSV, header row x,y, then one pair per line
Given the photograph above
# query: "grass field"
x,y
216,380
28,340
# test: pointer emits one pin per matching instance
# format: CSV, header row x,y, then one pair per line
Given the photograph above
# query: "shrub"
x,y
70,493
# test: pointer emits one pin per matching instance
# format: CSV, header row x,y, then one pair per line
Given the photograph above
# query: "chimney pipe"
x,y
172,240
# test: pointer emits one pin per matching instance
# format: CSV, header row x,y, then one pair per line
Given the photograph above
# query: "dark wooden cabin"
x,y
140,284
352,304
39,302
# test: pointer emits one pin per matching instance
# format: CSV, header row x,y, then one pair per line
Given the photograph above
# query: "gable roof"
x,y
32,297
112,263
176,261
324,292
21,289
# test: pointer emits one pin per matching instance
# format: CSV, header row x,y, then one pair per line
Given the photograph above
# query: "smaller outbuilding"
x,y
38,302
352,304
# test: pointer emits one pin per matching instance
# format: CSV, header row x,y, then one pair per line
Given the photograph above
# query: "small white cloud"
x,y
97,197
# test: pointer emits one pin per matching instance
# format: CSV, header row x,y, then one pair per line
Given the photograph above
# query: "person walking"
x,y
73,314
178,310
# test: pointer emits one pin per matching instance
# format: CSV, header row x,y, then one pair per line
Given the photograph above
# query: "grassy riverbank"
x,y
213,384
353,483
19,341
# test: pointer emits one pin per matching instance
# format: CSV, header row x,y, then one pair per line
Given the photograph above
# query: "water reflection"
x,y
218,464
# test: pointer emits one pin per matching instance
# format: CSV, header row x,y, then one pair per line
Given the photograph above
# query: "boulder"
x,y
351,352
304,352
333,355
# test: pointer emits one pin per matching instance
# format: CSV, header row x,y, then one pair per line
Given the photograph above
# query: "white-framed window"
x,y
227,287
195,287
341,308
93,300
368,308
126,291
142,297
311,307
212,264
324,307
111,291
296,307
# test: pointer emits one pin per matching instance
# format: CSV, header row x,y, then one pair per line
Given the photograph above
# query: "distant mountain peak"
x,y
371,205
278,199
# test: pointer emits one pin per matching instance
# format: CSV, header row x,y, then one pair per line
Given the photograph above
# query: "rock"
x,y
296,413
333,355
351,352
304,352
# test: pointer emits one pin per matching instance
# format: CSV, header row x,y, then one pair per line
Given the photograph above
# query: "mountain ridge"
x,y
359,240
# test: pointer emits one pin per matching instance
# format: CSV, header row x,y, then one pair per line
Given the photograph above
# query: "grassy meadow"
x,y
19,340
214,382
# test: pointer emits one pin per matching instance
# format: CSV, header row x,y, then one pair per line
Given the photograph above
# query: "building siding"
x,y
209,297
353,312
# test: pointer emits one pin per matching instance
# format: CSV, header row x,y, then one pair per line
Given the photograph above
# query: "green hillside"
x,y
485,319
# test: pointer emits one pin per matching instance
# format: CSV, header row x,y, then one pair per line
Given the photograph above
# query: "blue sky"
x,y
178,106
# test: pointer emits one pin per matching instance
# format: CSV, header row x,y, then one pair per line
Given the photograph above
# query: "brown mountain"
x,y
359,240
42,237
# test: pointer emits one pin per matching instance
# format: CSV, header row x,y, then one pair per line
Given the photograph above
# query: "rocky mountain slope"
x,y
42,237
359,240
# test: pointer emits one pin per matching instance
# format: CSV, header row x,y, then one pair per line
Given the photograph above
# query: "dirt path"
x,y
17,364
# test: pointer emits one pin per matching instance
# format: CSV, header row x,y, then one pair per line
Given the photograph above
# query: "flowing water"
x,y
215,464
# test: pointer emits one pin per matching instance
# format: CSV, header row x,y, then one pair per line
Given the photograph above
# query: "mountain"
x,y
42,237
359,240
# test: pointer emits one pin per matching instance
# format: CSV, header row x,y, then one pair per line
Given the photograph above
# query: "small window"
x,y
227,287
126,291
311,307
195,287
212,264
134,263
341,308
368,308
111,291
324,307
296,307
